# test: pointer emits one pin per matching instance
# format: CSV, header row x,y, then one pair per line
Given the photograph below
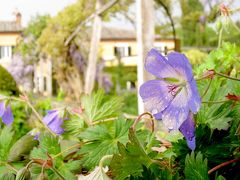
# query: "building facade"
x,y
10,35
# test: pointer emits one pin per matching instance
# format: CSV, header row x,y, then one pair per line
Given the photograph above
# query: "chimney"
x,y
18,18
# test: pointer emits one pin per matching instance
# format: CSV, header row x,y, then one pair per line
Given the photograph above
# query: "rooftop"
x,y
10,26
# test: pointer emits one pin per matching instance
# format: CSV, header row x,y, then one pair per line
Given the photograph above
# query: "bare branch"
x,y
97,13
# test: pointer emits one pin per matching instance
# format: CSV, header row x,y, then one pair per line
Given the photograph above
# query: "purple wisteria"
x,y
54,121
6,114
173,97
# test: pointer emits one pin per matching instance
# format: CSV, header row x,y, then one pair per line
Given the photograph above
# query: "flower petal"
x,y
55,125
194,97
155,96
158,65
188,130
181,64
2,108
7,117
50,116
177,111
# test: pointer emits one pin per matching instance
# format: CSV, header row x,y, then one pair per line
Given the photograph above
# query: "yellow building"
x,y
10,34
122,43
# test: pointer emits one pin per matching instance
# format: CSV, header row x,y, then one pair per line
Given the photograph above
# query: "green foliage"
x,y
21,124
225,59
195,56
47,145
6,140
130,159
130,103
196,168
21,148
31,33
7,83
102,140
96,108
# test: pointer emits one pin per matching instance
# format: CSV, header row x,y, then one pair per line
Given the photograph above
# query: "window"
x,y
5,52
122,51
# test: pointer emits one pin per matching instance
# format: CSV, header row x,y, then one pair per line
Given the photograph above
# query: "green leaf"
x,y
130,159
6,140
96,107
22,148
102,140
196,168
47,145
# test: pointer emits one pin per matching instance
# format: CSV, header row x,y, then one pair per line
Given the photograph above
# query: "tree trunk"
x,y
93,54
145,40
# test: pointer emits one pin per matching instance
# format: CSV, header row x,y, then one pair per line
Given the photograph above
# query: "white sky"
x,y
29,8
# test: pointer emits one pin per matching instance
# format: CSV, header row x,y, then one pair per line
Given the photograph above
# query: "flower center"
x,y
174,89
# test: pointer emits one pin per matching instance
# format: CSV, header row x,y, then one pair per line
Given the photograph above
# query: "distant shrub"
x,y
196,56
7,83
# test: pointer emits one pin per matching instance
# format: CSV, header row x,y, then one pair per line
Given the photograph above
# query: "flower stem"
x,y
67,149
139,119
58,173
222,165
35,112
215,102
205,92
104,158
228,77
220,38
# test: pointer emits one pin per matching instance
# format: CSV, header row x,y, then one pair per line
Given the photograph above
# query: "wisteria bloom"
x,y
54,121
6,114
174,95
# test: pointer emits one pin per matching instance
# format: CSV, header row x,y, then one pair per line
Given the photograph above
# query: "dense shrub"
x,y
7,83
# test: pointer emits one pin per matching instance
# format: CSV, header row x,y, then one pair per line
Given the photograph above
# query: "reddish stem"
x,y
222,165
139,119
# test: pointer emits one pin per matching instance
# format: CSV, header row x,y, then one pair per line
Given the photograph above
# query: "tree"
x,y
145,40
166,5
53,43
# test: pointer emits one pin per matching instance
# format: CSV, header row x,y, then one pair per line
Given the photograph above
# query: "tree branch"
x,y
97,13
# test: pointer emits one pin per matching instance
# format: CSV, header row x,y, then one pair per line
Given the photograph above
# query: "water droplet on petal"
x,y
154,111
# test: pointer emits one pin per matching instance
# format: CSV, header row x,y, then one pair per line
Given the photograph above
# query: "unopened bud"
x,y
209,74
233,97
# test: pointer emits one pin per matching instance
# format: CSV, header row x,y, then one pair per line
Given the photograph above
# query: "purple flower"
x,y
188,130
6,114
54,121
174,94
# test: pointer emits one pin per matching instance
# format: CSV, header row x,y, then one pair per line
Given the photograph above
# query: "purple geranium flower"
x,y
174,94
188,130
54,121
6,114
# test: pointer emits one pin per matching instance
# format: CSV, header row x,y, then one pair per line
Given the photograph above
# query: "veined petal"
x,y
192,143
50,116
158,65
2,108
55,125
155,96
7,117
188,130
194,97
177,111
181,64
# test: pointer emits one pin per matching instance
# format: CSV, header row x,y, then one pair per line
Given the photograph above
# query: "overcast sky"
x,y
30,8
